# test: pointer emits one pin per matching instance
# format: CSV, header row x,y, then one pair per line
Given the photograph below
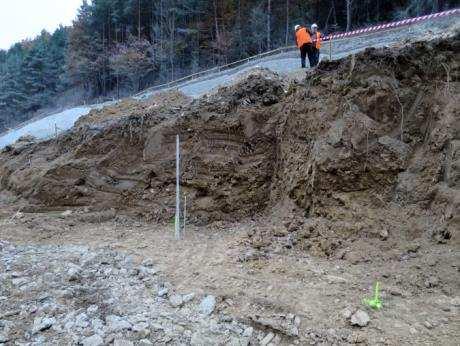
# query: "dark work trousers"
x,y
304,51
313,56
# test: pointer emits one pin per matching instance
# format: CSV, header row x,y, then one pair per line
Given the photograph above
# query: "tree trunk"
x,y
139,20
216,23
269,19
287,24
240,31
349,9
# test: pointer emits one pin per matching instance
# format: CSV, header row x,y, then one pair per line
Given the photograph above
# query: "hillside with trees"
x,y
118,47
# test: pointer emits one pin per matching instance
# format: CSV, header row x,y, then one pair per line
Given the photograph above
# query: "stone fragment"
x,y
266,340
4,338
207,305
42,324
283,324
360,318
163,292
176,300
142,330
122,342
188,297
145,342
95,340
117,323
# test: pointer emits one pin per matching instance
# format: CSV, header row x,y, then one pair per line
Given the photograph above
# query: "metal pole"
x,y
185,214
177,220
330,49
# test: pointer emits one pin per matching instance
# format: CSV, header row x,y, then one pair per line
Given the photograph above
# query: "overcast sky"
x,y
21,19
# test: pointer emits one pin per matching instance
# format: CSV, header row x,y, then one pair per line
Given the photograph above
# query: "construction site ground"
x,y
302,193
419,282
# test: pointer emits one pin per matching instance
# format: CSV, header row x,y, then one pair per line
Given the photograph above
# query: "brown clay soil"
x,y
301,194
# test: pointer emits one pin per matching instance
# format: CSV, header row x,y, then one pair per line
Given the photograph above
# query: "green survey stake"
x,y
375,303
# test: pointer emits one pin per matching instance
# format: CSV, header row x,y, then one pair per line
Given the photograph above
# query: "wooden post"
x,y
177,220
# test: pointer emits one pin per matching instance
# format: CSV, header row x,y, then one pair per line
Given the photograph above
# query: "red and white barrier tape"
x,y
392,24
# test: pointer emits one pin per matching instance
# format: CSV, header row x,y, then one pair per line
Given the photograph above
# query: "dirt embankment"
x,y
366,145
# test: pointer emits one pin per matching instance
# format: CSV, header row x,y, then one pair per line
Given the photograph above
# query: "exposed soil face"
x,y
326,184
352,139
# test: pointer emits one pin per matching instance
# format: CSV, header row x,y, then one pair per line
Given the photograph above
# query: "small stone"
x,y
19,282
163,292
297,321
10,313
225,318
122,342
92,309
176,300
431,281
346,313
428,325
188,297
73,274
207,305
145,272
81,321
144,342
4,338
94,340
432,261
97,325
142,330
413,247
356,338
148,262
117,324
201,339
42,324
455,301
383,234
360,318
248,332
67,213
266,340
396,292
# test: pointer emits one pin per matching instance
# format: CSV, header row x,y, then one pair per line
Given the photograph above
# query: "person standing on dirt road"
x,y
303,41
315,37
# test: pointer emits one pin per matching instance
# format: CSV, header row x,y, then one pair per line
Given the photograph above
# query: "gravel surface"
x,y
74,295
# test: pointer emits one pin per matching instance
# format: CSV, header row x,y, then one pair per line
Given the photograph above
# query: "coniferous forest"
x,y
118,47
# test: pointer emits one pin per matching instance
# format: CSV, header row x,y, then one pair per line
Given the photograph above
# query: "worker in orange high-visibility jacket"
x,y
303,41
315,46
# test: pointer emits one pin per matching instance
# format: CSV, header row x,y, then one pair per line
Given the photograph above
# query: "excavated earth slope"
x,y
366,145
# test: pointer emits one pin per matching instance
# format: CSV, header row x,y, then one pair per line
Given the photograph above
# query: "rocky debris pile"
x,y
74,295
364,147
131,107
22,143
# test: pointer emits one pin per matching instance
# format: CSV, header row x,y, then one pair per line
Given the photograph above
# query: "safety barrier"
x,y
331,37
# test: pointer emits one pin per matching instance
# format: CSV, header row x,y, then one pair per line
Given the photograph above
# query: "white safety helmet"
x,y
314,26
297,27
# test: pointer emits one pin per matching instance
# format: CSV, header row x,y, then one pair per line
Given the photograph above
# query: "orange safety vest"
x,y
302,37
317,40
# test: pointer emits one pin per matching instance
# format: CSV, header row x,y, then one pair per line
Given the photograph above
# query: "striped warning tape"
x,y
392,24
